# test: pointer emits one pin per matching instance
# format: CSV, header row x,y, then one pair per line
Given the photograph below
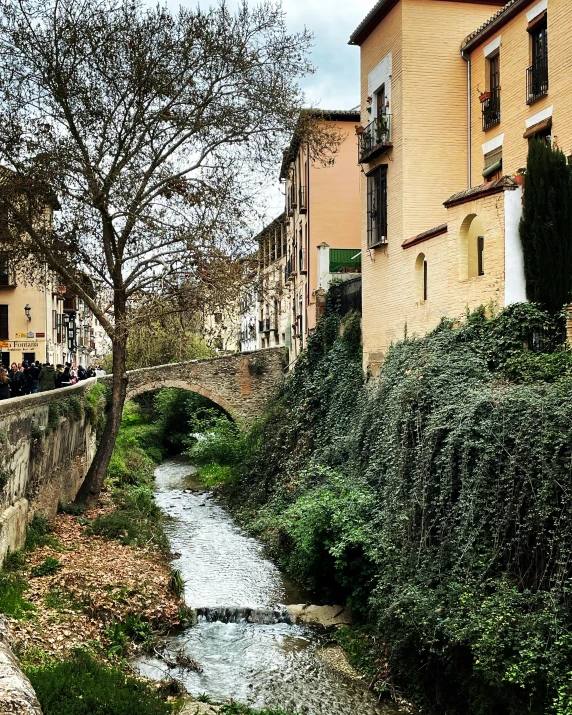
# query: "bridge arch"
x,y
183,385
240,384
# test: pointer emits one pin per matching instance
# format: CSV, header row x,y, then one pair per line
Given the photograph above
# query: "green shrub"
x,y
176,583
48,567
84,687
122,633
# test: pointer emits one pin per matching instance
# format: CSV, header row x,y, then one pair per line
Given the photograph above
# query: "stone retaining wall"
x,y
41,464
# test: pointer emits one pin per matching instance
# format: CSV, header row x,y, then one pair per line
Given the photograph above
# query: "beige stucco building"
x,y
273,289
451,93
322,215
32,326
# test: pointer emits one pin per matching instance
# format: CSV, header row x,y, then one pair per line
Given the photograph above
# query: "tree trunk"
x,y
93,482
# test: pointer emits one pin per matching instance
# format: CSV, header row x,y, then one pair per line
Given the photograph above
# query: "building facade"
x,y
32,325
322,207
451,94
273,289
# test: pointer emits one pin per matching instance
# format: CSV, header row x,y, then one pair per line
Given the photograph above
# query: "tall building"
x,y
451,93
322,214
273,290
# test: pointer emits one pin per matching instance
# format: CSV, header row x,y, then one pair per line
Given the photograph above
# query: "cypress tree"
x,y
546,227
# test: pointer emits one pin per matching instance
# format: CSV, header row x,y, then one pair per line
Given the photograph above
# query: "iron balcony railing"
x,y
376,138
537,80
491,109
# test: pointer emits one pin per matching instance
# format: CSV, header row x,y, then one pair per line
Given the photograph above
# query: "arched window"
x,y
421,278
471,248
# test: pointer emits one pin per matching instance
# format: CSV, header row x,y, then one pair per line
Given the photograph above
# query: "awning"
x,y
538,128
492,169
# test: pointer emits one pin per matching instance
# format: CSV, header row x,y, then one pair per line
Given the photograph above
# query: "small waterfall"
x,y
233,614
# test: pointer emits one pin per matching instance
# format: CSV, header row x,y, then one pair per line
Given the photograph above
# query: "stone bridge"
x,y
47,441
239,383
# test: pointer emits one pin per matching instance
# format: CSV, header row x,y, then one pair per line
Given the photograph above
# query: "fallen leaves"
x,y
98,581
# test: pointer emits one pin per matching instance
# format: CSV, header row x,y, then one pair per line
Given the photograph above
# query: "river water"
x,y
268,662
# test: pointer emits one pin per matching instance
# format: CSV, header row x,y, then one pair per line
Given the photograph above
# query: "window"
x,y
4,269
493,165
421,278
3,322
377,207
480,252
380,102
537,73
491,105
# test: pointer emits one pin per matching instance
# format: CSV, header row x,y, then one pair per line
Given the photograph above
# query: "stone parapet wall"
x,y
44,457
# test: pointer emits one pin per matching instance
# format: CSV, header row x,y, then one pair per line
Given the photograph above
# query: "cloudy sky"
x,y
335,84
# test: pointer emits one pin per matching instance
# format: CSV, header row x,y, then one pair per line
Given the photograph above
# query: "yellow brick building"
x,y
439,221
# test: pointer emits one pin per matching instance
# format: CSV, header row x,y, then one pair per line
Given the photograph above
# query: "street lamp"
x,y
28,311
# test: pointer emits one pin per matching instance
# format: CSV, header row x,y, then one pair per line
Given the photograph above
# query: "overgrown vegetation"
x,y
434,500
83,686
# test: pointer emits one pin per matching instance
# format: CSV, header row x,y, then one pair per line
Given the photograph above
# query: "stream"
x,y
243,641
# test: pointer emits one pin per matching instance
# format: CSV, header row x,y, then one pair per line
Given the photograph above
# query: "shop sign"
x,y
40,335
20,335
20,344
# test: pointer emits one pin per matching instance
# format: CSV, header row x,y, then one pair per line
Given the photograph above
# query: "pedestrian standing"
x,y
35,375
16,377
47,378
4,384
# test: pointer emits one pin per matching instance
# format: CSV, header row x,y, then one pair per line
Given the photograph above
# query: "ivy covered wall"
x,y
436,500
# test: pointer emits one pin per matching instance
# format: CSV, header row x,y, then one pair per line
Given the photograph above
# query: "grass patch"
x,y
39,534
137,520
61,599
71,508
82,686
12,601
214,474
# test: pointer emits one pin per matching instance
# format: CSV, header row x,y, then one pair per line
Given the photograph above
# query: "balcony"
x,y
375,139
290,270
491,109
537,80
302,200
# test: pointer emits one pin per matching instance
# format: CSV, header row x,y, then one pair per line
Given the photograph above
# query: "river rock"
x,y
192,707
326,616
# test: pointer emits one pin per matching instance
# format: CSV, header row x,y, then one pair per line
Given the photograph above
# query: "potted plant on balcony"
x,y
484,96
382,129
359,129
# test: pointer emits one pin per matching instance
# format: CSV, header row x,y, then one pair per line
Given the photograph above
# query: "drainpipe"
x,y
467,59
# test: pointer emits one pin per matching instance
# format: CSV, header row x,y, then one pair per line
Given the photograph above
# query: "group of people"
x,y
28,378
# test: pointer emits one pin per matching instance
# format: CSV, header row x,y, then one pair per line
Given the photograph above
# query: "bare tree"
x,y
149,128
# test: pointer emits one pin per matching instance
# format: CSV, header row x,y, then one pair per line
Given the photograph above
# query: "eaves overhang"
x,y
494,24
